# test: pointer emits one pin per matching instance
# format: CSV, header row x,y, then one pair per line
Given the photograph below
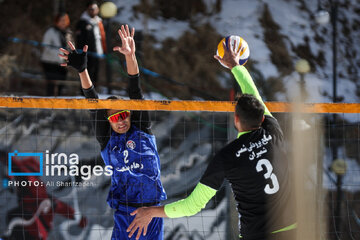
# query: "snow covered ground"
x,y
241,17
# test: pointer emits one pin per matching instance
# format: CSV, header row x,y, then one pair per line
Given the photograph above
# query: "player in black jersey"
x,y
255,164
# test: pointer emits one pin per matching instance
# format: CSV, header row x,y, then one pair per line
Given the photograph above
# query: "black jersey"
x,y
257,168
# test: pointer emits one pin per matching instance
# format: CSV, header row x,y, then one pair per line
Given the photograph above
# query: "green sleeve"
x,y
247,84
191,205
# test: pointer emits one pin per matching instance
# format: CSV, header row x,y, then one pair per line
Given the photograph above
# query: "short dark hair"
x,y
250,111
89,3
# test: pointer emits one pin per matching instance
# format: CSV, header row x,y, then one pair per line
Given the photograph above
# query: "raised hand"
x,y
127,41
73,58
231,55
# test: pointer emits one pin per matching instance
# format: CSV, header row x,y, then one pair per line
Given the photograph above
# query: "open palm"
x,y
127,41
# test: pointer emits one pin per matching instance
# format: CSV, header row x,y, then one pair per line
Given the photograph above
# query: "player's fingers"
x,y
132,224
71,45
139,233
134,212
145,231
127,30
63,64
64,51
123,30
229,47
120,34
132,32
237,52
240,47
217,57
85,48
63,56
116,49
133,230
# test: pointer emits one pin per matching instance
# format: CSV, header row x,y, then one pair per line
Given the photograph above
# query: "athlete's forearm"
x,y
247,84
85,79
132,64
191,205
245,81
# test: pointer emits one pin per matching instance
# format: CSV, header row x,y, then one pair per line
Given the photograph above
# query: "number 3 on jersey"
x,y
265,164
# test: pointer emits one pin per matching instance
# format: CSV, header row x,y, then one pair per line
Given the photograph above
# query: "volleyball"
x,y
240,44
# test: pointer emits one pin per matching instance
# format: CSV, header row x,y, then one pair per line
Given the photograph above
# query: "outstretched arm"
x,y
247,84
128,49
141,119
242,76
210,182
79,62
189,206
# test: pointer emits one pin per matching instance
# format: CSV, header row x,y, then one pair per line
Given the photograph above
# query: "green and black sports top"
x,y
257,168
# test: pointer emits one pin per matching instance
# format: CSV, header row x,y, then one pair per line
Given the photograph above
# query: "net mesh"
x,y
74,207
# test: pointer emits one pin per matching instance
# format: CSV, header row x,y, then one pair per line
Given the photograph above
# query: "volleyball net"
x,y
55,183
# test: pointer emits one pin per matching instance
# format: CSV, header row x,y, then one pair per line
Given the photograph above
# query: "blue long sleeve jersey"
x,y
132,155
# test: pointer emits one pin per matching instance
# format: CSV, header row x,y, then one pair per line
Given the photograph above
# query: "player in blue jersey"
x,y
127,144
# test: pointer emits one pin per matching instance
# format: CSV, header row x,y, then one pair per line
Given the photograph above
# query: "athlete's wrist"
x,y
130,56
84,72
234,66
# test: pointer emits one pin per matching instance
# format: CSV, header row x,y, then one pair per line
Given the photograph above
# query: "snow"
x,y
241,17
246,25
160,28
313,87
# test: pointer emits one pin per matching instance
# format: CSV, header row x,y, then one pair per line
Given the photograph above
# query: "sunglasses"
x,y
119,115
